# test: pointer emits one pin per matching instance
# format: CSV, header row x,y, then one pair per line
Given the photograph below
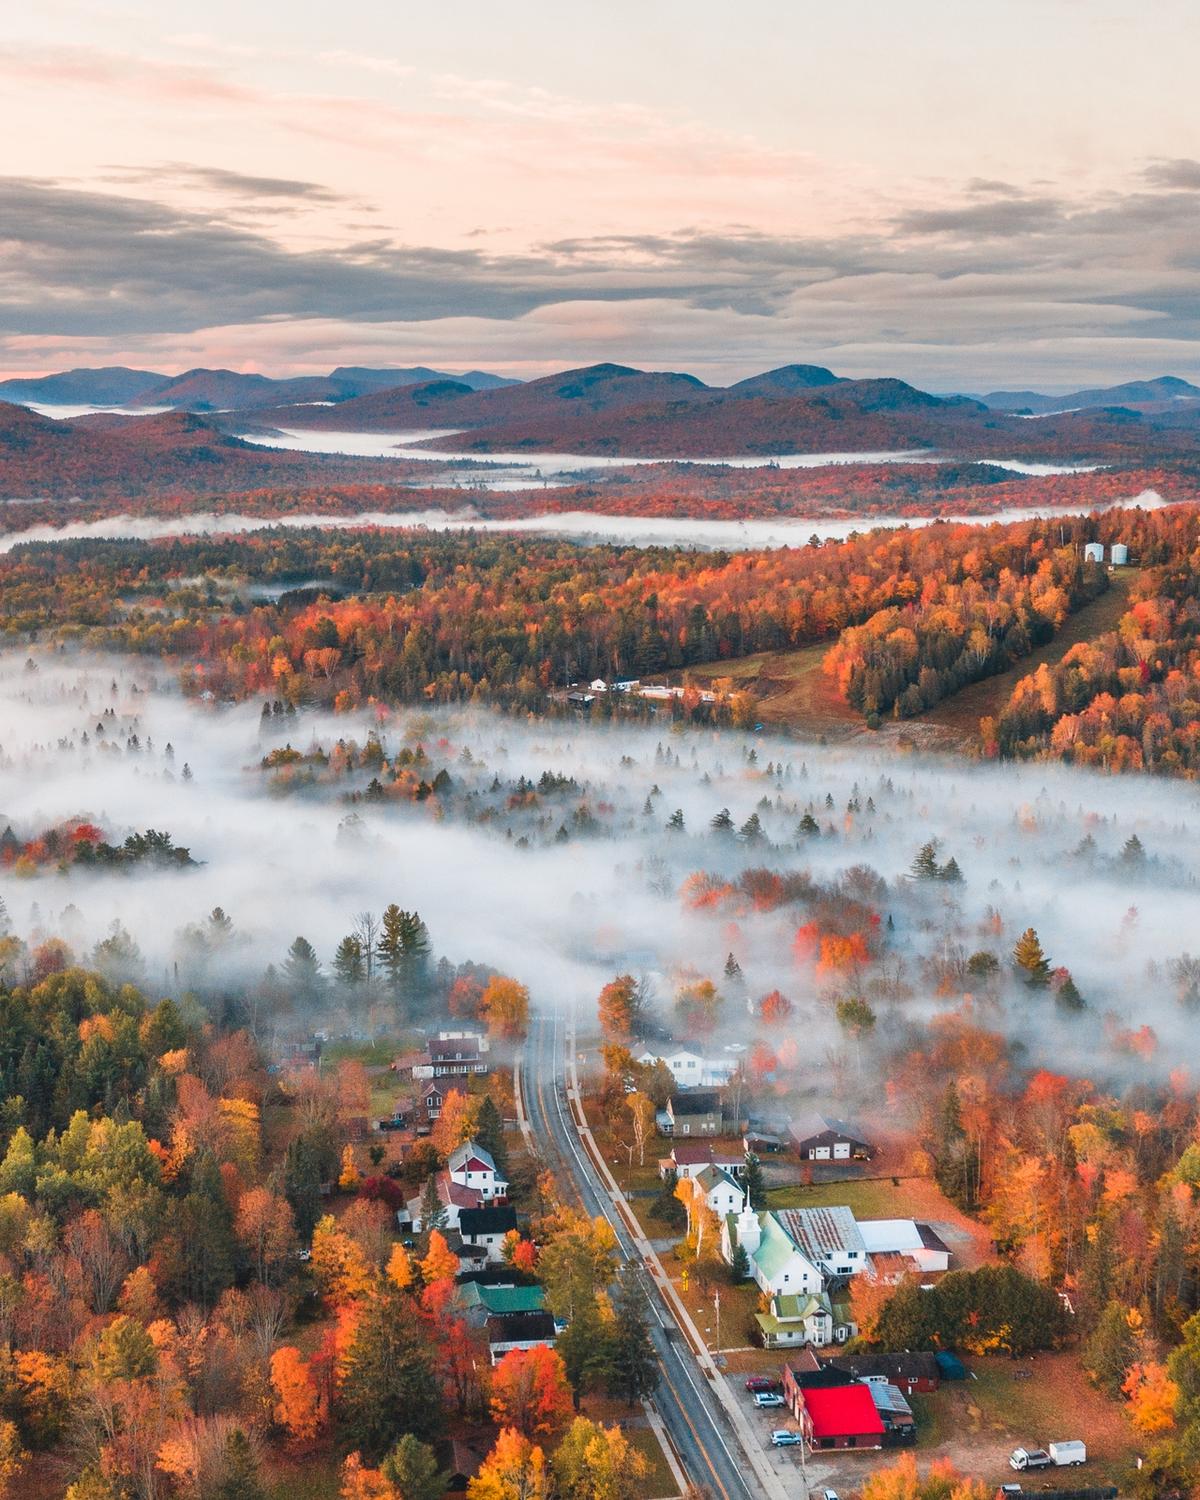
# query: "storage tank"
x,y
1094,552
1119,554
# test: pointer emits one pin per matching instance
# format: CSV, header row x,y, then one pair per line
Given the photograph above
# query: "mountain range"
x,y
1144,395
221,390
615,410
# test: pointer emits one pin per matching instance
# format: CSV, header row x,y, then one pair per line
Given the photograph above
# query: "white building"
x,y
692,1069
796,1249
918,1242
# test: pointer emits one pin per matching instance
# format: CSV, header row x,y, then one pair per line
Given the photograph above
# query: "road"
x,y
699,1429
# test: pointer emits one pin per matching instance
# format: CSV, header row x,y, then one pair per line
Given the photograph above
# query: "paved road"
x,y
711,1454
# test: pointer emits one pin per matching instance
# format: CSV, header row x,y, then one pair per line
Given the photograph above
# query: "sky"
x,y
967,196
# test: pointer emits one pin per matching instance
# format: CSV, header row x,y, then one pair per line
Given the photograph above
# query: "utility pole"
x,y
717,1307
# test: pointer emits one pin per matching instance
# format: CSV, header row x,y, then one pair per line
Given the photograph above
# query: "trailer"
x,y
1069,1454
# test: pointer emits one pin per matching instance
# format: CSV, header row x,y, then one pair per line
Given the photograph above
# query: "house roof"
x,y
812,1123
908,1366
696,1102
693,1153
842,1411
790,1307
711,1177
503,1299
775,1249
490,1220
898,1236
461,1155
890,1402
821,1232
521,1328
466,1459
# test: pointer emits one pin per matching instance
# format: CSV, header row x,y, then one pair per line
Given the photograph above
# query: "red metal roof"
x,y
842,1411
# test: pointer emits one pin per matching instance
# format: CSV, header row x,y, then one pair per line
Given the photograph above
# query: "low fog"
x,y
581,526
497,885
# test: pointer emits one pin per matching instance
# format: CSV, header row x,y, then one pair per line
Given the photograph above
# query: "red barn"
x,y
840,1416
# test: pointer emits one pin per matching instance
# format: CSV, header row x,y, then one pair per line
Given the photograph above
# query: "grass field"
x,y
978,1422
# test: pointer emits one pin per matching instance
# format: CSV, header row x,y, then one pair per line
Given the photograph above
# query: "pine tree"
x,y
489,1132
433,1210
1111,1349
752,1181
925,865
1029,958
1067,996
634,1367
675,822
302,971
389,1387
752,830
808,827
349,964
950,872
722,822
954,1163
206,1234
239,1480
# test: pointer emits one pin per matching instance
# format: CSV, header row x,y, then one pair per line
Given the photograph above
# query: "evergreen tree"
x,y
1031,961
950,872
585,1350
302,971
755,1186
675,822
925,865
954,1162
808,827
433,1210
206,1234
1111,1349
349,963
739,1266
1133,851
389,1387
489,1132
240,1479
752,830
1067,996
722,822
310,1160
634,1368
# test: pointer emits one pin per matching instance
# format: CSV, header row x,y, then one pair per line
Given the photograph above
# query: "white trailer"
x,y
1069,1454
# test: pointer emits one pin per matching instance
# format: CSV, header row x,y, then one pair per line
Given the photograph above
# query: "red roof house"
x,y
841,1416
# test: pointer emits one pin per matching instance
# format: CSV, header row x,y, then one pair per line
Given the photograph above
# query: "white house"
x,y
472,1166
690,1068
487,1228
722,1193
689,1159
796,1249
917,1242
802,1319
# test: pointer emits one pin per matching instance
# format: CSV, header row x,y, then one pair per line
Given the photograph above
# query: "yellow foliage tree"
x,y
339,1264
348,1179
400,1268
515,1469
1152,1397
440,1261
361,1483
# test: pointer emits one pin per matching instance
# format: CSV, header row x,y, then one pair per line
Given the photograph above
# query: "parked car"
x,y
829,1495
784,1437
755,1383
767,1398
1011,1489
1069,1454
1029,1458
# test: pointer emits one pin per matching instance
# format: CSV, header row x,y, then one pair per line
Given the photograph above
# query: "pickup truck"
x,y
1029,1458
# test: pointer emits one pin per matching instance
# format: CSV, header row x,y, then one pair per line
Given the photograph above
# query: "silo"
x,y
1119,554
1094,552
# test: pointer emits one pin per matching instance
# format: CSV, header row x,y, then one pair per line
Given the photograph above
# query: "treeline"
x,y
448,618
